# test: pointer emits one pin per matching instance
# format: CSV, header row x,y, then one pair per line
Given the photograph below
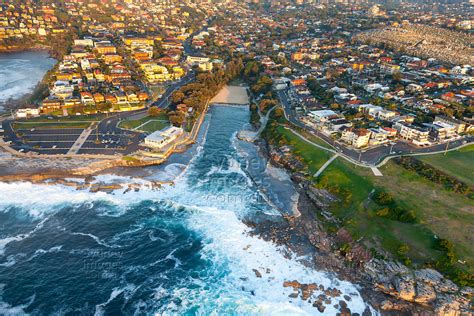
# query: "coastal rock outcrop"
x,y
426,287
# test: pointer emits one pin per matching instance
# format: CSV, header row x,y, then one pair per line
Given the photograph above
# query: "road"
x,y
106,138
372,156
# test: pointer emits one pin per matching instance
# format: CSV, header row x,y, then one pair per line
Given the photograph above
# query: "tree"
x,y
397,76
177,118
279,112
177,97
154,111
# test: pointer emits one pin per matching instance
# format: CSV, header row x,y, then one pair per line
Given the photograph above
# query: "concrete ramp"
x,y
376,172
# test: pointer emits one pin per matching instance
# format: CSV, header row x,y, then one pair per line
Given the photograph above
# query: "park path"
x,y
326,164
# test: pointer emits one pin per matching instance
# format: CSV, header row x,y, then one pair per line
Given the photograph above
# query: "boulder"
x,y
307,290
294,284
319,305
446,286
425,294
257,273
446,306
428,276
405,286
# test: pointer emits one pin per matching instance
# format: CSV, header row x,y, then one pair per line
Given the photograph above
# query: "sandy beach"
x,y
232,95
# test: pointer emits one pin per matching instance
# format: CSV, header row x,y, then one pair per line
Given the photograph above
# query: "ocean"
x,y
20,72
180,250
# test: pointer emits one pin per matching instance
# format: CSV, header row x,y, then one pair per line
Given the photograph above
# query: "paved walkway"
x,y
81,139
309,141
376,172
326,164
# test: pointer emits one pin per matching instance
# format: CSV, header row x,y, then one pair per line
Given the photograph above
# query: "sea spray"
x,y
175,250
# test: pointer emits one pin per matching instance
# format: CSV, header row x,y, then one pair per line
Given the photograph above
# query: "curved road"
x,y
372,156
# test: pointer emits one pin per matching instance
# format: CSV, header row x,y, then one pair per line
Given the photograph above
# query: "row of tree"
x,y
433,174
206,86
389,208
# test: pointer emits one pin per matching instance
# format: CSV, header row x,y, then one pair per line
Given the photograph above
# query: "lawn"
x,y
312,156
315,139
440,213
458,163
449,215
147,124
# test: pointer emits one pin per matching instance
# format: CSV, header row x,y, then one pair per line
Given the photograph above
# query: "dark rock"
x,y
257,273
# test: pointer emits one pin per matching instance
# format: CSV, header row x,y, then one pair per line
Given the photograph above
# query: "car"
x,y
54,147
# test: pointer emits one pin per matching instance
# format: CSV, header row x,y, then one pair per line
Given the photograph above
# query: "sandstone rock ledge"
x,y
426,287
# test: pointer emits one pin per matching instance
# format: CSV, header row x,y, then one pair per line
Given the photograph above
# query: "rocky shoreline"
x,y
388,286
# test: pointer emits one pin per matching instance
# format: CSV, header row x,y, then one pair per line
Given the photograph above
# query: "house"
x,y
441,130
105,47
132,97
84,42
322,115
50,105
62,89
415,134
142,96
370,109
161,139
110,98
386,115
414,88
87,98
27,112
378,136
99,98
358,138
459,125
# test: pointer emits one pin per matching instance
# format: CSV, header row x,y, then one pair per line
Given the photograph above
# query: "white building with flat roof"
x,y
27,112
163,138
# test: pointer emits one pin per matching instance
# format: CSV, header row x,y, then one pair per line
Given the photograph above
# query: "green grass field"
x,y
458,163
146,124
447,214
440,213
312,156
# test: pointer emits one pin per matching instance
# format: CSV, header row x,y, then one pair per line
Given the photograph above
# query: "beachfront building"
x,y
161,139
415,134
27,112
359,138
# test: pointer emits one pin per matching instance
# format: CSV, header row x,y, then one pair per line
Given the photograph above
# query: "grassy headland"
x,y
402,214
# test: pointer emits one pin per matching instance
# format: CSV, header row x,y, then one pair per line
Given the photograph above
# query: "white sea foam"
x,y
21,72
226,243
99,308
227,240
5,241
9,310
96,239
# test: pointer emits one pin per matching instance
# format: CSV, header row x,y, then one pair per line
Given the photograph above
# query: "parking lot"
x,y
60,140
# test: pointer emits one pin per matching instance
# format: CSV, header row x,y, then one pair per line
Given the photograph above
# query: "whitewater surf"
x,y
183,249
